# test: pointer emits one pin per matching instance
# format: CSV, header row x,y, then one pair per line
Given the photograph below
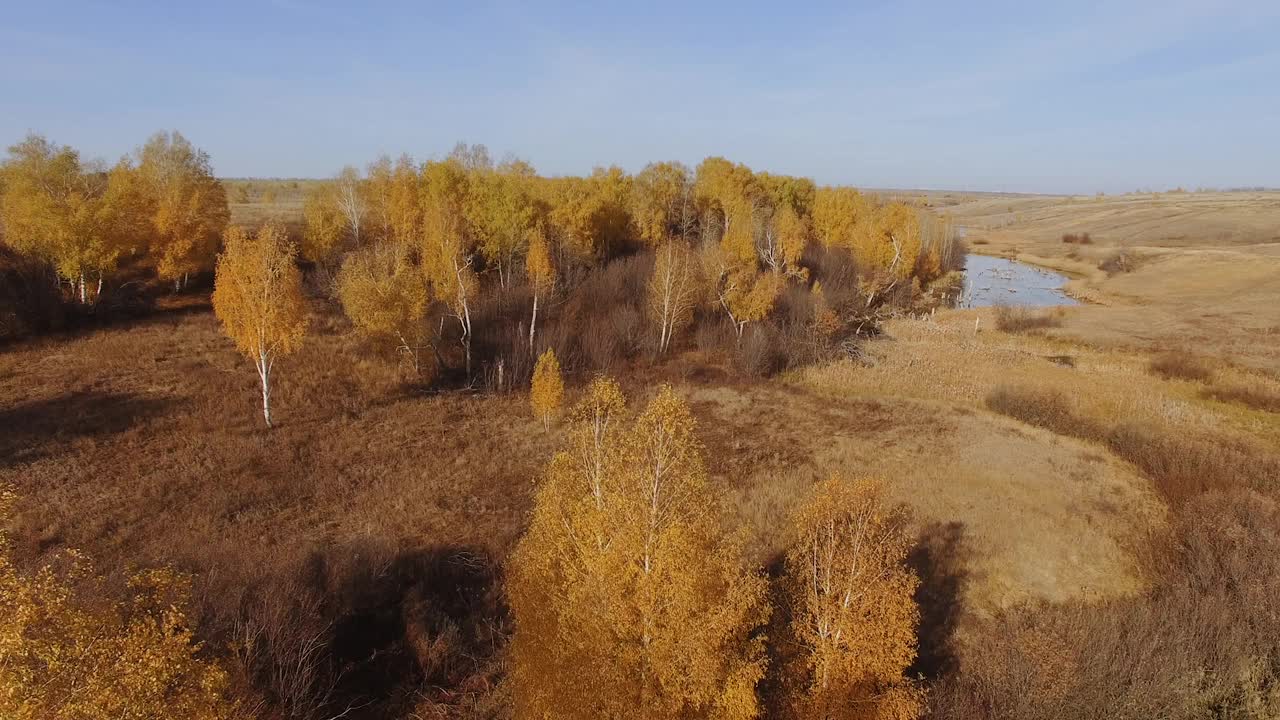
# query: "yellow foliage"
x,y
81,219
384,295
190,205
501,213
659,201
838,215
67,655
537,262
325,225
629,598
547,390
257,295
853,610
892,241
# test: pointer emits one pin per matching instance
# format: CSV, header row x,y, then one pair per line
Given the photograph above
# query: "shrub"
x,y
1181,365
1016,319
1077,239
1121,261
1257,397
64,653
30,300
1048,409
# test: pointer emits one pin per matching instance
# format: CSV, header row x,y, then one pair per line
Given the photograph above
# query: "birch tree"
x,y
189,206
853,607
448,252
385,296
629,598
80,217
258,297
546,390
673,290
541,272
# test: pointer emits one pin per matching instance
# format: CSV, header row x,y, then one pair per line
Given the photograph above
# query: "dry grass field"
x,y
1203,268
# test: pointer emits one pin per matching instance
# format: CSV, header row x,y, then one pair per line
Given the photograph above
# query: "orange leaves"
x,y
547,389
66,654
257,294
852,603
629,601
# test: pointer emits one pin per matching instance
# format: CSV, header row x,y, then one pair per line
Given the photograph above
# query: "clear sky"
x,y
1026,95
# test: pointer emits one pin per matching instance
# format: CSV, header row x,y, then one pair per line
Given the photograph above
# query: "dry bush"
x,y
1255,396
1181,465
1121,261
1181,365
714,334
30,301
1204,641
758,352
1077,239
1016,318
1048,409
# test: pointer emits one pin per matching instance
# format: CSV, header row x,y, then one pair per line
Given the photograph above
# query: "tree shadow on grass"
x,y
40,428
940,558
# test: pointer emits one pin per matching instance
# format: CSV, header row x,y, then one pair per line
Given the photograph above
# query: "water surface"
x,y
997,281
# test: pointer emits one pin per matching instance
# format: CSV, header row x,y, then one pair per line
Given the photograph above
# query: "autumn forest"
x,y
452,438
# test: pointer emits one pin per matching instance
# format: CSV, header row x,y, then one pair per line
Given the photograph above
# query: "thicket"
x,y
487,265
83,227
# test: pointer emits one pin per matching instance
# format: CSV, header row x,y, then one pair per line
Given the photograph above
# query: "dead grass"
x,y
1256,396
1180,466
1180,365
1017,319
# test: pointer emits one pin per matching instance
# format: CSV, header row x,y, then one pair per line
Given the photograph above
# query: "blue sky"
x,y
1026,96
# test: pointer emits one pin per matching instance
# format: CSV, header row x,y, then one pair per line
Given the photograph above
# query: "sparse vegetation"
x,y
1017,319
1180,365
1077,239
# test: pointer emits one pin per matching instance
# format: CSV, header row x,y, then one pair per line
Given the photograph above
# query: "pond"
x,y
996,281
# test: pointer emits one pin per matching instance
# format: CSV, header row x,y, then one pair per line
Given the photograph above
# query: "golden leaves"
x,y
547,389
258,293
66,655
629,600
852,604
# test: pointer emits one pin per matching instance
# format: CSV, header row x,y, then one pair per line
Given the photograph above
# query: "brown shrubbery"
x,y
1180,365
1016,319
1202,642
1180,466
1077,239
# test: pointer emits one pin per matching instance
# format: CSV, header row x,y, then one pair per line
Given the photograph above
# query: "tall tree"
x,y
81,219
335,214
385,296
541,272
853,610
839,216
257,295
629,598
673,290
501,213
189,205
661,203
448,251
